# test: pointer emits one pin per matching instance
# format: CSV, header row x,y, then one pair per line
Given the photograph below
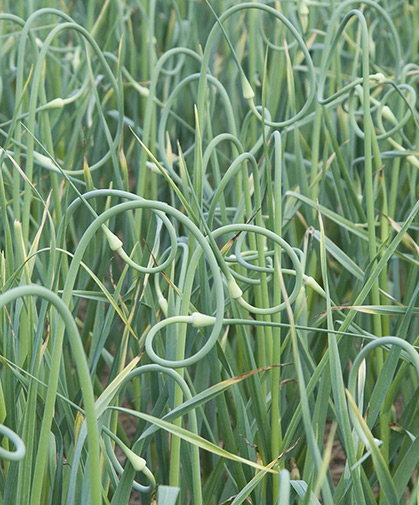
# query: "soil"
x,y
338,457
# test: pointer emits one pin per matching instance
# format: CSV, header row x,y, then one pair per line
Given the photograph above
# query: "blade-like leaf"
x,y
193,439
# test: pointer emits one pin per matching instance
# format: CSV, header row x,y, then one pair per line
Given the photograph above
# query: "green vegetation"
x,y
209,260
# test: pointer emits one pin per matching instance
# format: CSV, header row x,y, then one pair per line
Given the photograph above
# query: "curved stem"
x,y
67,322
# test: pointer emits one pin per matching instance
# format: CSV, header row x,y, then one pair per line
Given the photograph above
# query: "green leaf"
x,y
193,439
167,495
381,468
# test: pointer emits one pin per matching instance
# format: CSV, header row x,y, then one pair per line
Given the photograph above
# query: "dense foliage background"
x,y
209,252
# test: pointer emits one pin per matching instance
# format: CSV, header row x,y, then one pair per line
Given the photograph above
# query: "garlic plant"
x,y
209,261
